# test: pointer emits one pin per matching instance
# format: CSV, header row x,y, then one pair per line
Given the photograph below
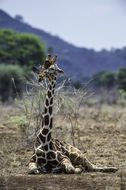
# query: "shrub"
x,y
105,79
77,84
122,78
108,79
11,81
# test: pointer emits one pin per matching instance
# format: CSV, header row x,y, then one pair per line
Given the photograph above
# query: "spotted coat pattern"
x,y
52,155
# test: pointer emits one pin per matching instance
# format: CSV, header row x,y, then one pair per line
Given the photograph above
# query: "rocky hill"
x,y
77,62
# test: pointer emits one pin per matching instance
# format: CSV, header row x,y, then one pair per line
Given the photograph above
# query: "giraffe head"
x,y
49,69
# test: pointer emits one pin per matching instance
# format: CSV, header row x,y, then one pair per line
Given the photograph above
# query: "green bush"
x,y
11,81
122,78
77,84
108,79
105,79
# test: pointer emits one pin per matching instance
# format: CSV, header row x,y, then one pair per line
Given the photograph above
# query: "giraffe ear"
x,y
53,60
48,57
47,62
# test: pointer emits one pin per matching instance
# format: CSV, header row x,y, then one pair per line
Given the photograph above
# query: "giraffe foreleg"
x,y
68,168
32,167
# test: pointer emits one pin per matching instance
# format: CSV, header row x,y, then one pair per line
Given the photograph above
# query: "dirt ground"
x,y
100,133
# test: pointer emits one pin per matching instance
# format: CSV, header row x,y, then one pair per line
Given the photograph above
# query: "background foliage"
x,y
18,53
11,81
21,49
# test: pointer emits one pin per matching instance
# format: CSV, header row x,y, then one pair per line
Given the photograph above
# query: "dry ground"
x,y
100,133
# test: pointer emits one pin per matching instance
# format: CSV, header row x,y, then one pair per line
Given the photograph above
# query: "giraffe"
x,y
50,154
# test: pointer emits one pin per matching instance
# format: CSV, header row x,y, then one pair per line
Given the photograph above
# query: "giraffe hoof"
x,y
34,172
70,169
33,169
78,170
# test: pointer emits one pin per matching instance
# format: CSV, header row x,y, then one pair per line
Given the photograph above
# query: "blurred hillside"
x,y
76,62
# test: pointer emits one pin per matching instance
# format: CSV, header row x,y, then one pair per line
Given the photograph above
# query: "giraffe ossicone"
x,y
50,154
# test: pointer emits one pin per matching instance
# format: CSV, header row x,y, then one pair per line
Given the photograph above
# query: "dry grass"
x,y
99,131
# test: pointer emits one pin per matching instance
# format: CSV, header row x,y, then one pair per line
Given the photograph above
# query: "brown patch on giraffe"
x,y
63,149
51,155
46,147
73,156
50,110
48,167
52,83
53,91
62,143
40,153
52,146
51,120
79,160
45,110
51,101
54,162
46,119
42,138
67,153
57,146
37,142
54,86
45,131
49,94
33,159
50,87
59,156
47,102
41,161
57,142
49,137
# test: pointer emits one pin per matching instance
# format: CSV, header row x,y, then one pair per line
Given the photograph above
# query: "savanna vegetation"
x,y
18,54
89,114
79,119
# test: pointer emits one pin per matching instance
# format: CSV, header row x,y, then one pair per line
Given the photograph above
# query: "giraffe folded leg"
x,y
93,168
80,159
69,168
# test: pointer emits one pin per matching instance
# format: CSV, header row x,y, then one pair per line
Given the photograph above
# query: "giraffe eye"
x,y
51,70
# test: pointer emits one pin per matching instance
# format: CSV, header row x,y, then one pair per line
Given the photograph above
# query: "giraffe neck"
x,y
45,132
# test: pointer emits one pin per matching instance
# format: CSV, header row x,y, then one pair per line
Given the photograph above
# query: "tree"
x,y
11,81
108,79
105,79
122,78
22,49
97,79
